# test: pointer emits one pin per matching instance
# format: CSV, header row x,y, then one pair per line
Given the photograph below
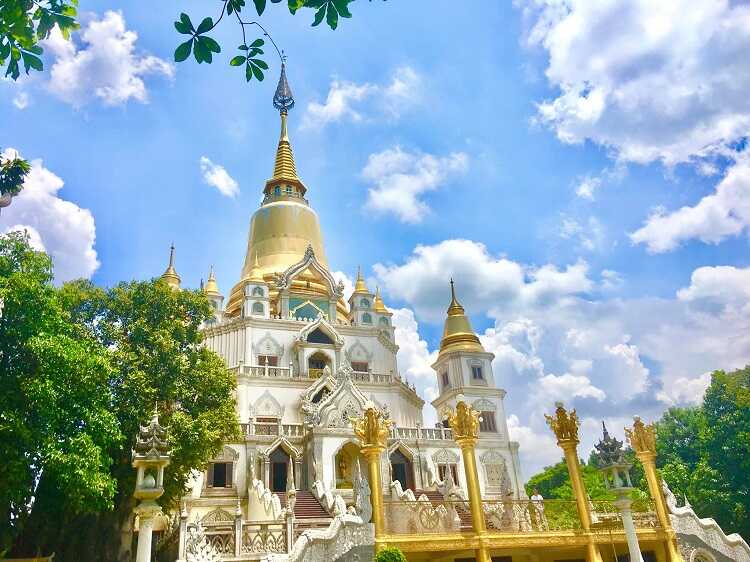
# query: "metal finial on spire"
x,y
171,255
283,100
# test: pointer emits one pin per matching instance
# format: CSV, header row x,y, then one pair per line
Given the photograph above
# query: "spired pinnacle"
x,y
283,100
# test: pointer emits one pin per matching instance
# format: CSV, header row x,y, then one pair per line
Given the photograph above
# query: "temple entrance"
x,y
279,461
316,363
346,460
402,470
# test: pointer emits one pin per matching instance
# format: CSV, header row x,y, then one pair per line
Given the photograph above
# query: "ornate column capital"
x,y
642,438
564,425
464,422
372,429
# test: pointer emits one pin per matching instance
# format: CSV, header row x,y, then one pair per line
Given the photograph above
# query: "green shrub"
x,y
391,554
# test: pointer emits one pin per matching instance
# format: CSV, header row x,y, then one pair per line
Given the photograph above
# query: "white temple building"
x,y
306,362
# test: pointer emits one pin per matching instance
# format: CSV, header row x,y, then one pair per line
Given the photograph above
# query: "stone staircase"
x,y
306,506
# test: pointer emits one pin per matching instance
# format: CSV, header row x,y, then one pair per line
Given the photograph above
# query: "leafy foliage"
x,y
704,452
23,23
390,554
13,172
202,46
554,483
82,368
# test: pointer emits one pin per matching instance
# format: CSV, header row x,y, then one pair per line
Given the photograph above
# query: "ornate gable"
x,y
483,405
344,400
284,443
267,345
309,261
445,456
321,325
267,406
358,352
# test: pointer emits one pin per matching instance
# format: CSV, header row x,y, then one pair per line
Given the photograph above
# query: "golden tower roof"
x,y
211,288
284,225
458,334
170,275
379,305
360,287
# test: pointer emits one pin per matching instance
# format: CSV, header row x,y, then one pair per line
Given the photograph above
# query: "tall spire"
x,y
284,170
360,286
170,275
211,288
458,335
379,304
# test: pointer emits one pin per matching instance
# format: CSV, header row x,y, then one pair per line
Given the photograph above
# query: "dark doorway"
x,y
279,470
401,470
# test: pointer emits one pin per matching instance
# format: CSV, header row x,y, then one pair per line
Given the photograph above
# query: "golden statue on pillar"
x,y
372,428
464,422
642,437
564,424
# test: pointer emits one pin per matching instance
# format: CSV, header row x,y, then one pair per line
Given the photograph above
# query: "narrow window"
x,y
270,360
277,190
219,475
488,422
445,380
476,373
258,308
360,366
366,318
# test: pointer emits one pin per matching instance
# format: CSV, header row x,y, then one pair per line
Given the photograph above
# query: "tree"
x,y
143,342
24,23
554,483
390,554
704,452
57,429
13,172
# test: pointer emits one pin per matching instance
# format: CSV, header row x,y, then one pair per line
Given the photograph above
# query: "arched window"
x,y
364,303
366,318
258,308
383,321
277,190
257,291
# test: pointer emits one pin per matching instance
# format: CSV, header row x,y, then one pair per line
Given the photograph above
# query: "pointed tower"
x,y
463,367
211,290
170,276
285,225
256,295
361,303
382,314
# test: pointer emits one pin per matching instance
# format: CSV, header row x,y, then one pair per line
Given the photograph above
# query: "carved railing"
x,y
605,515
418,517
220,538
314,373
264,536
424,433
524,516
267,371
273,429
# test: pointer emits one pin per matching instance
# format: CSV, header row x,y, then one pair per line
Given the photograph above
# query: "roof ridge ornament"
x,y
283,100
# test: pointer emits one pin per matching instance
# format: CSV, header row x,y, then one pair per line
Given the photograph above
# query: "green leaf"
x,y
239,60
295,5
212,44
183,51
260,5
332,16
260,62
31,61
243,47
4,50
257,72
248,72
257,43
201,51
342,8
183,28
185,19
205,25
319,15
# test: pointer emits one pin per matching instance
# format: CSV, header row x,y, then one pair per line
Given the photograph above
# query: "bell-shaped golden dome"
x,y
458,335
170,276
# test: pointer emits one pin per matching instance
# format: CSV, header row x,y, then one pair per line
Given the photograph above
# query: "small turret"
x,y
170,276
211,290
361,303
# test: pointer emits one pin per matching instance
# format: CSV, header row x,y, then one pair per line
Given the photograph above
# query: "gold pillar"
x,y
643,440
465,425
372,430
565,427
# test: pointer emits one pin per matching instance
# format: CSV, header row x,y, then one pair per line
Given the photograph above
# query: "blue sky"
x,y
578,169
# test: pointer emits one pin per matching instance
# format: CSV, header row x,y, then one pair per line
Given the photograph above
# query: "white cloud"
x,y
608,357
537,446
588,186
590,236
66,231
344,99
401,177
105,66
35,239
724,213
217,176
21,100
650,80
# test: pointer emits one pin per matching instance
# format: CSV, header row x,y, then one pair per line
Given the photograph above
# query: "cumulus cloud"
x,y
344,99
21,100
401,177
65,230
218,177
102,63
724,213
556,336
590,236
652,81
